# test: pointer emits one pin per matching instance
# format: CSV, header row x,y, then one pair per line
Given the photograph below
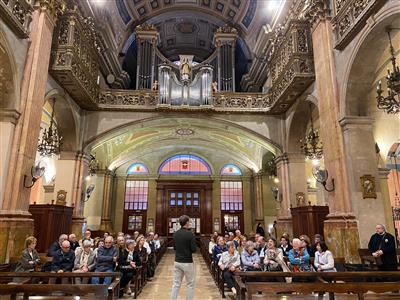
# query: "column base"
x,y
342,237
15,227
77,224
284,225
106,225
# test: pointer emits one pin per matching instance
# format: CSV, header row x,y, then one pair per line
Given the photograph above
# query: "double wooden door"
x,y
177,198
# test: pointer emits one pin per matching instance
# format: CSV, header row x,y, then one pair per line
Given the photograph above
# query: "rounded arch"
x,y
66,120
185,163
274,147
231,170
299,123
9,83
137,168
360,73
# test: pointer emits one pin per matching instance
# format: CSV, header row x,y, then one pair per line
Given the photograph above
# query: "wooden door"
x,y
183,202
134,221
232,221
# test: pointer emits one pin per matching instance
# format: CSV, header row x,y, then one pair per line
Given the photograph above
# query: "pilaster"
x,y
106,224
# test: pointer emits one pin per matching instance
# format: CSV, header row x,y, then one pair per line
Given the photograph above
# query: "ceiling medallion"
x,y
184,131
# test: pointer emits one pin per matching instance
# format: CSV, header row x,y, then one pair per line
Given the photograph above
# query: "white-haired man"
x,y
382,246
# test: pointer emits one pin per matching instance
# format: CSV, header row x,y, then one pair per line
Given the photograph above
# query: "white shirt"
x,y
157,244
325,261
147,246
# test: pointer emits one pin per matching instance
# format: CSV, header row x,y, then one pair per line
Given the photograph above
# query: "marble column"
x,y
105,211
259,203
78,191
341,227
15,220
284,220
297,176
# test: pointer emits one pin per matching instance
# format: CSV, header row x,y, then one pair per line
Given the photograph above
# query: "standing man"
x,y
382,246
185,246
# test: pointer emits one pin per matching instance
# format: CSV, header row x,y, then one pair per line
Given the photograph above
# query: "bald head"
x,y
65,246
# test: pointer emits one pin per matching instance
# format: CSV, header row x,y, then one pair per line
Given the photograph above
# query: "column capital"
x,y
281,160
9,115
383,173
348,122
316,11
54,8
225,35
147,32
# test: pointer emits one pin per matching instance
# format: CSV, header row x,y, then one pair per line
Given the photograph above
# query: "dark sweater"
x,y
387,244
105,258
184,245
63,261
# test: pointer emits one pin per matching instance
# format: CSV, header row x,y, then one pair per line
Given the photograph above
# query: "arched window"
x,y
230,169
185,164
137,168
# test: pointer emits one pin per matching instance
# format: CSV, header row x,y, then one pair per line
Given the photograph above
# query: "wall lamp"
x,y
37,171
321,176
89,191
275,194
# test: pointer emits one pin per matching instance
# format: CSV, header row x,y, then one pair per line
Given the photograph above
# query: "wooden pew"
x,y
249,283
101,291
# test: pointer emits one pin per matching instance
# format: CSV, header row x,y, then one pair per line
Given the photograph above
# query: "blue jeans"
x,y
107,280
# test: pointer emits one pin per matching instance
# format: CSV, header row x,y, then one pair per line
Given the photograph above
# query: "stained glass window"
x,y
231,195
185,164
137,168
230,169
136,192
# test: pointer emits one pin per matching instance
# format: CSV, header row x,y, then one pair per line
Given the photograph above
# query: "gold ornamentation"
x,y
55,8
316,10
368,186
17,15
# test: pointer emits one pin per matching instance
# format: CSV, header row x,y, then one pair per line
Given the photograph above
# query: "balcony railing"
x,y
17,15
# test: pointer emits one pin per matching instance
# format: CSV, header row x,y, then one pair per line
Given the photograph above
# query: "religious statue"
x,y
214,86
156,85
185,69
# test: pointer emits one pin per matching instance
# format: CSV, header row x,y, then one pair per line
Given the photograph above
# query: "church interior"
x,y
119,116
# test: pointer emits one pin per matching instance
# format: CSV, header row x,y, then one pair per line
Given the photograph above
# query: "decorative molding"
x,y
17,14
75,59
9,115
149,101
55,8
316,11
350,16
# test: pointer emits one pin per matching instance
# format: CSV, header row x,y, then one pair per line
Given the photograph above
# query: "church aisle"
x,y
160,287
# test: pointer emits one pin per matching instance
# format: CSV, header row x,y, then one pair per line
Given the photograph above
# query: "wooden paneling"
x,y
49,222
308,220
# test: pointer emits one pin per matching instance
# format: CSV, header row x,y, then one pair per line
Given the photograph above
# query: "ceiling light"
x,y
273,5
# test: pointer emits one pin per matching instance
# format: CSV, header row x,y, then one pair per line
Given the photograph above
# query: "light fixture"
x,y
275,194
276,180
89,191
322,176
94,165
390,103
51,141
37,171
312,146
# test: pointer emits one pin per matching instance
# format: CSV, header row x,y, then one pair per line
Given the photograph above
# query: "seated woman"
x,y
141,249
127,263
250,258
99,244
84,261
299,258
29,257
324,261
229,263
218,249
273,258
212,243
306,243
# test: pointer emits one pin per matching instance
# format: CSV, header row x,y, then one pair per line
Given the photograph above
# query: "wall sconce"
x,y
275,194
37,171
322,176
89,191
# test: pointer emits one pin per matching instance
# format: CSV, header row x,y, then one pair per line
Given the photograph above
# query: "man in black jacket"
x,y
185,246
382,246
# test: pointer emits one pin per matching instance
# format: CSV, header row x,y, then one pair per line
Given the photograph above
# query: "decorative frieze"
x,y
75,59
17,14
55,8
350,17
291,63
316,10
149,101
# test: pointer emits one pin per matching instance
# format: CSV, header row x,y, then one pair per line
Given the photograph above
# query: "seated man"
x,y
107,256
56,245
73,242
88,237
63,260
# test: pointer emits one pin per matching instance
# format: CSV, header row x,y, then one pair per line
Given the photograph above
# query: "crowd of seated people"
x,y
234,251
101,254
